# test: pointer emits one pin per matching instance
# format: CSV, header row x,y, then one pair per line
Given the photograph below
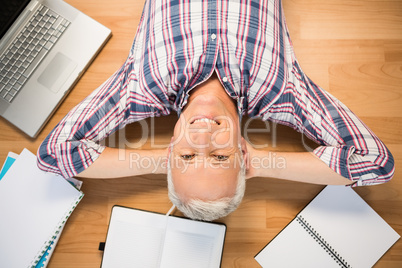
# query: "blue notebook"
x,y
7,164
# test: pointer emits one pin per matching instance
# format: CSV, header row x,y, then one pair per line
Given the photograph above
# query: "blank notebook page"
x,y
350,226
294,247
133,239
343,223
191,242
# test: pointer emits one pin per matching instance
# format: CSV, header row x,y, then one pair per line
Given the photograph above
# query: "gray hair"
x,y
212,209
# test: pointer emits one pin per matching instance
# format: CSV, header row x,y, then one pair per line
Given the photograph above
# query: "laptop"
x,y
45,47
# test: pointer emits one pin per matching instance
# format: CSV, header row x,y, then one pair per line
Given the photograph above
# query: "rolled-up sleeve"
x,y
346,144
75,143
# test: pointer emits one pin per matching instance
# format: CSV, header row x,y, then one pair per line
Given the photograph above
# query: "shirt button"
x,y
213,36
224,79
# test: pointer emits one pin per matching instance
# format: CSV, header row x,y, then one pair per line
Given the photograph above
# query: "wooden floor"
x,y
352,48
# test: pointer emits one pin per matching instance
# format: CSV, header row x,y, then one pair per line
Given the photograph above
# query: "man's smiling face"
x,y
205,145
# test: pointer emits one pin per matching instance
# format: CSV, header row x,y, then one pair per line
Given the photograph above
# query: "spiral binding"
x,y
57,230
324,244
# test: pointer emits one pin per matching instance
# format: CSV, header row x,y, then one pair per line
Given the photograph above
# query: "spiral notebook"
x,y
34,206
138,238
336,229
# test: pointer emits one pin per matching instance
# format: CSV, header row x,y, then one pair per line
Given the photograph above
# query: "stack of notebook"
x,y
34,207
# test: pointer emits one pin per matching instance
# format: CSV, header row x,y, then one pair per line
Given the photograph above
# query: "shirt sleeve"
x,y
346,144
75,143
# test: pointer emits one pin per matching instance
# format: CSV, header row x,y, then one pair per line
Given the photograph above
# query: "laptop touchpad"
x,y
57,72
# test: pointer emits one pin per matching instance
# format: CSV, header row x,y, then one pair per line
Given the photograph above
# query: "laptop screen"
x,y
9,11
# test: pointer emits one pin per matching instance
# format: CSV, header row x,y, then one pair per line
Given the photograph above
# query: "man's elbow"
x,y
377,170
386,168
46,160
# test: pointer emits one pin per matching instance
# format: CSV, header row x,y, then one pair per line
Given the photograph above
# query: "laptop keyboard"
x,y
28,49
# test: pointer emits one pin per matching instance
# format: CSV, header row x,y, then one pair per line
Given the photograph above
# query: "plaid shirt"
x,y
178,45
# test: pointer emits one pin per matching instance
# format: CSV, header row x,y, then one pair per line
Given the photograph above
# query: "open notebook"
x,y
336,229
138,238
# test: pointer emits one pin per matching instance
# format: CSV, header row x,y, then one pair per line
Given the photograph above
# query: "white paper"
x,y
134,239
347,224
33,207
350,226
294,247
192,244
